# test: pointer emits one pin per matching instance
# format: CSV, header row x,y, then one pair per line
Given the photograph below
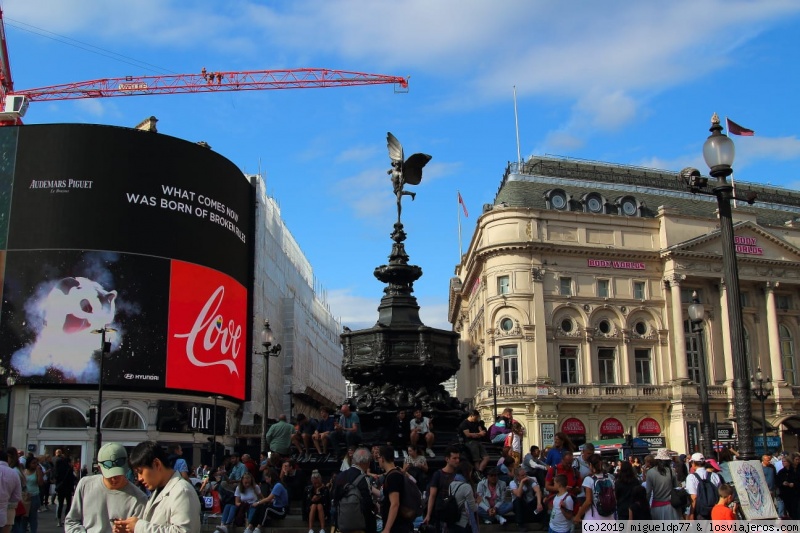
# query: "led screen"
x,y
139,234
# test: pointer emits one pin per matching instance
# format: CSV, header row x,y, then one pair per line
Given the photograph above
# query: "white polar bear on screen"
x,y
72,309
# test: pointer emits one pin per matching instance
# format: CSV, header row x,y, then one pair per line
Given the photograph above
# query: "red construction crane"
x,y
13,103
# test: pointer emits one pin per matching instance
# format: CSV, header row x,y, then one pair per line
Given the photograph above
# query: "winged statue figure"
x,y
408,171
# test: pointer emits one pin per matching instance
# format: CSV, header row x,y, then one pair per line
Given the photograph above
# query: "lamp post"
x,y
269,351
10,382
214,442
762,389
718,152
696,316
495,370
105,347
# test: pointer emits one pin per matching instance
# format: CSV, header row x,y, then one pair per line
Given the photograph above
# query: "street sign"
x,y
773,443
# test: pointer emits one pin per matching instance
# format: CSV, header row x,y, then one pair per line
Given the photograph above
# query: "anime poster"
x,y
55,303
751,489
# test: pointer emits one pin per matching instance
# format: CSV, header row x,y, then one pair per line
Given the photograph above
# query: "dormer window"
x,y
628,206
557,199
594,203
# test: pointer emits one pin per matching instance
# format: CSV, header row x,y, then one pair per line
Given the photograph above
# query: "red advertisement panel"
x,y
573,426
611,426
649,426
206,341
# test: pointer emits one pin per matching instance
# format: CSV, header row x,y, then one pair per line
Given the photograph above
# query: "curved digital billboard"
x,y
143,235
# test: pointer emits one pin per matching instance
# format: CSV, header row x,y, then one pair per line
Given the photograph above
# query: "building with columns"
x,y
576,285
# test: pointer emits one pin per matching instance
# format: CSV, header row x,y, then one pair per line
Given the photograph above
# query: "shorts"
x,y
476,449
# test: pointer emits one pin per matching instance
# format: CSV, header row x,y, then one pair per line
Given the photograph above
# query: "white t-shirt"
x,y
558,521
691,480
421,426
591,514
248,495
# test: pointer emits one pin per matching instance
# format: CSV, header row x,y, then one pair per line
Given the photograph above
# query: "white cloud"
x,y
358,312
754,148
92,107
357,154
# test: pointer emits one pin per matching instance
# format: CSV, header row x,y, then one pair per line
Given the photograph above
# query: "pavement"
x,y
47,521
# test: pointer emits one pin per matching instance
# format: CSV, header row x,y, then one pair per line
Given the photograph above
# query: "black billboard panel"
x,y
90,187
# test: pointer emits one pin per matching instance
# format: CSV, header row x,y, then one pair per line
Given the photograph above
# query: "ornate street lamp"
x,y
718,152
762,389
269,351
105,347
696,317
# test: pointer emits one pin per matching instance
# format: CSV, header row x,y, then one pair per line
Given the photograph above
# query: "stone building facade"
x,y
576,285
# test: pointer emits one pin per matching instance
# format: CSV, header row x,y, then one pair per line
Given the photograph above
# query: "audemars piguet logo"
x,y
211,334
61,184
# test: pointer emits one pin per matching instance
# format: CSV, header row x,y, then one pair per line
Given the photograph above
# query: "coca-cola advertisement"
x,y
206,337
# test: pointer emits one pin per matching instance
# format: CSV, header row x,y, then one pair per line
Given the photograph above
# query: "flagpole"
x,y
516,124
733,184
458,215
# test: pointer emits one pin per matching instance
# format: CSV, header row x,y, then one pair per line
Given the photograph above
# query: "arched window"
x,y
787,355
64,418
123,418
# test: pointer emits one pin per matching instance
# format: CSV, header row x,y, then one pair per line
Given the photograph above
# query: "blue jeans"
x,y
502,510
21,523
229,513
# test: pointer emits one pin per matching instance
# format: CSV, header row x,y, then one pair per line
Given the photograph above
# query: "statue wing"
x,y
395,148
412,168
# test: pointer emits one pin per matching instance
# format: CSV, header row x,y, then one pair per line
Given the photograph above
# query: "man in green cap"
x,y
99,500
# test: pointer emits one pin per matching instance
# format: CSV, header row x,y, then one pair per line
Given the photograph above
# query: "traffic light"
x,y
91,418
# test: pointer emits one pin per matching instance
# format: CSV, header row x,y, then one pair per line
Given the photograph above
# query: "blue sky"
x,y
618,81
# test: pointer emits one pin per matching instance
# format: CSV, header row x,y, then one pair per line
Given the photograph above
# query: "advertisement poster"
x,y
54,301
141,235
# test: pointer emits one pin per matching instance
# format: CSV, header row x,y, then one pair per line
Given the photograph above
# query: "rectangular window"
x,y
569,365
503,284
602,288
787,356
566,286
693,360
643,367
744,299
783,302
638,290
510,365
606,361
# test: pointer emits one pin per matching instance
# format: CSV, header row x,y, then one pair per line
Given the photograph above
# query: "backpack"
x,y
605,499
349,511
707,496
509,440
448,510
410,500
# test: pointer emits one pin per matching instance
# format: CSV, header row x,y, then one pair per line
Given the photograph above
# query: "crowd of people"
x,y
387,487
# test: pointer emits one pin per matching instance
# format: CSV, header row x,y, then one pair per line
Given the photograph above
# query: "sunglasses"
x,y
120,461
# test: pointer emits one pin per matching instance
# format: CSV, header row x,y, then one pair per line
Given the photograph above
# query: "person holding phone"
x,y
99,500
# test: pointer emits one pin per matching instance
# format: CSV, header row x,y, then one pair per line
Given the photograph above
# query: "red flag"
x,y
463,205
736,129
